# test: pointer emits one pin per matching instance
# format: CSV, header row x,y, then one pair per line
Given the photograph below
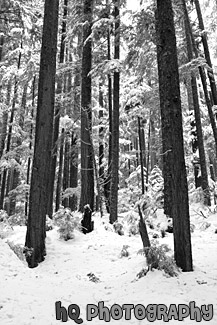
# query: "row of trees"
x,y
80,122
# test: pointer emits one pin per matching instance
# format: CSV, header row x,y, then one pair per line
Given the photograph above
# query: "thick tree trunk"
x,y
172,132
87,170
115,121
57,117
35,237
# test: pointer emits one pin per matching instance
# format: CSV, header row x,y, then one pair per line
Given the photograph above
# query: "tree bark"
x,y
57,117
87,170
172,132
35,237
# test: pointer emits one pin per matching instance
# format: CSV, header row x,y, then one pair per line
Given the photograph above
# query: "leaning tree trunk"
x,y
172,132
206,52
115,121
36,232
87,169
204,81
203,166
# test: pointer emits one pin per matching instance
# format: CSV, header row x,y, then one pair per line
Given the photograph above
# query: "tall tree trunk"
x,y
203,166
206,52
57,117
172,132
87,170
73,200
115,120
36,233
107,184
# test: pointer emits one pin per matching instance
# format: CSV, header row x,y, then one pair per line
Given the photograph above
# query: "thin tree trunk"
x,y
141,156
172,132
115,121
5,119
65,201
35,237
9,136
60,172
73,200
16,171
30,143
148,156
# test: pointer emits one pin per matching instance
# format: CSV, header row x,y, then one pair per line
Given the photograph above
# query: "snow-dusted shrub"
x,y
17,219
124,251
67,223
196,195
17,249
205,225
118,228
157,258
131,221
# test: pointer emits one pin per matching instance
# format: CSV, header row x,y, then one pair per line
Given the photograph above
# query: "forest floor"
x,y
89,269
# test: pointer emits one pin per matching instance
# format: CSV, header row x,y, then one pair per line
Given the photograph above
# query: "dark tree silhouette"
x,y
172,133
36,233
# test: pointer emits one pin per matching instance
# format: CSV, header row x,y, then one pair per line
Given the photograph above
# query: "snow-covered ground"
x,y
89,269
